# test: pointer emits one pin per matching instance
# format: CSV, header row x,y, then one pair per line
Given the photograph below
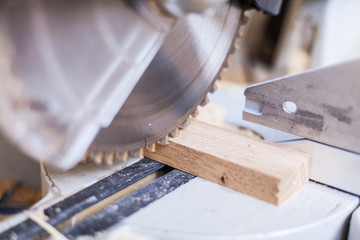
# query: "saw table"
x,y
148,199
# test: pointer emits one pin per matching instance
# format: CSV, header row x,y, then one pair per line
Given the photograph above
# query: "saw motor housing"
x,y
68,67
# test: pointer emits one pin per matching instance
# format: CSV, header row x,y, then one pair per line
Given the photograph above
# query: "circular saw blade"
x,y
176,82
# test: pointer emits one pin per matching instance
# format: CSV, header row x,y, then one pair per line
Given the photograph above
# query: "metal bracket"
x,y
321,104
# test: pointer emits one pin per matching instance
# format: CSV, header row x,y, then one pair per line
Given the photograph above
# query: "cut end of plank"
x,y
252,166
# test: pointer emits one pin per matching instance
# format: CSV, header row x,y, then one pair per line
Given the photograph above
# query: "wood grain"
x,y
255,167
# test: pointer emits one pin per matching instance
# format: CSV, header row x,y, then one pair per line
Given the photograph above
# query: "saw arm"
x,y
68,67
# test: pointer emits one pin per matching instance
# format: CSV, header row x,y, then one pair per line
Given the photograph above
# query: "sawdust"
x,y
13,193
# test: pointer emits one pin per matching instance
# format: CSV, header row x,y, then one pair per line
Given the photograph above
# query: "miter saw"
x,y
68,67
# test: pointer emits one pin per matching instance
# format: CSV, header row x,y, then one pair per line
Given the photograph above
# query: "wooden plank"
x,y
252,166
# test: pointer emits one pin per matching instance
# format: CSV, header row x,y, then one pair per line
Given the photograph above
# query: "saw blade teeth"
x,y
224,70
151,147
195,114
236,46
233,49
121,156
138,153
164,140
185,124
174,133
96,157
223,73
109,158
214,88
85,157
240,33
244,20
91,156
204,102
